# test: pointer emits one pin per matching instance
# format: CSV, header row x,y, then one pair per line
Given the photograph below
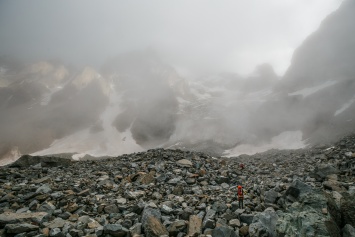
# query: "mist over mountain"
x,y
316,93
138,100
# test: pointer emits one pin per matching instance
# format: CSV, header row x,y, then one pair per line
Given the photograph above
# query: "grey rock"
x,y
348,208
297,188
304,217
75,232
334,208
42,180
65,215
99,231
148,212
271,196
264,224
174,180
56,233
348,231
12,218
166,210
22,210
47,207
244,231
178,190
112,208
195,225
223,231
219,207
45,188
56,223
222,179
208,221
134,195
161,178
121,201
321,172
209,224
115,230
154,228
234,206
57,195
351,190
246,218
190,181
235,223
184,163
225,186
176,227
136,229
185,214
20,228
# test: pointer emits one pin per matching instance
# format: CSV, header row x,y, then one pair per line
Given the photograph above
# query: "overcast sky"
x,y
193,35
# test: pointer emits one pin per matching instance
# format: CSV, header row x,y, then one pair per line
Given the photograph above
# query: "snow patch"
x,y
285,140
345,106
11,156
108,142
309,91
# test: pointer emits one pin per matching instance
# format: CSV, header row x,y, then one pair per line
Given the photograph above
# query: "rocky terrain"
x,y
305,192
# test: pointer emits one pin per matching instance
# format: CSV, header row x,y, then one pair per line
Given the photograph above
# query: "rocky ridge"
x,y
306,192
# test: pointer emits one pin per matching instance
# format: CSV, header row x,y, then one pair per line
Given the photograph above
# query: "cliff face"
x,y
327,54
316,95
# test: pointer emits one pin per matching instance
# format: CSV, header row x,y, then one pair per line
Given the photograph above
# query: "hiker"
x,y
241,166
240,196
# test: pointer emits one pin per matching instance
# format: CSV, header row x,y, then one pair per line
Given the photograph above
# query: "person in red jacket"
x,y
240,196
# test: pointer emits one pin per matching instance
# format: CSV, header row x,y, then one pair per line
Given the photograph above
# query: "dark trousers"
x,y
240,203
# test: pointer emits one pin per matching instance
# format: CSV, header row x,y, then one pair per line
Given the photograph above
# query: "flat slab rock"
x,y
12,218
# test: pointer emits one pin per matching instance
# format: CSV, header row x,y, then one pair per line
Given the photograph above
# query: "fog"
x,y
226,77
194,36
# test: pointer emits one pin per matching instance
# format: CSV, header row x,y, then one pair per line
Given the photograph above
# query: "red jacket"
x,y
240,194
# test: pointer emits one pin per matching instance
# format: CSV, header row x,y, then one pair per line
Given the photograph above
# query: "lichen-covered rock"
x,y
264,224
304,218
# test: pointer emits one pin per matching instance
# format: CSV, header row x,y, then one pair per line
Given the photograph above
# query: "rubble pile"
x,y
305,192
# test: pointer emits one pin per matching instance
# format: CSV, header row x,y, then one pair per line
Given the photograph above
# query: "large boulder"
x,y
305,218
321,172
13,218
20,228
264,224
348,208
348,231
297,188
271,196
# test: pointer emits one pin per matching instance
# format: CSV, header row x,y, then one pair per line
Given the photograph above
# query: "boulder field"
x,y
305,192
